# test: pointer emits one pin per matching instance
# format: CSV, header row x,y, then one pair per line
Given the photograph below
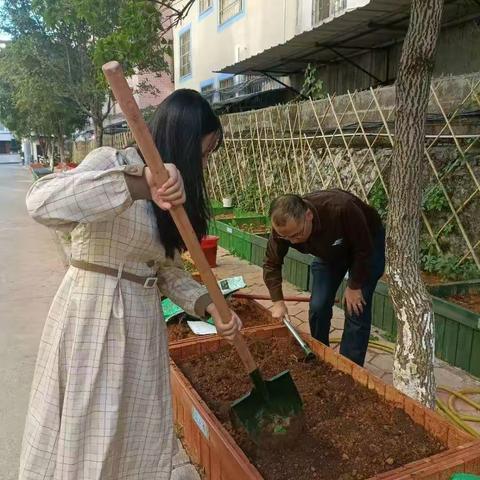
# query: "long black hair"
x,y
178,126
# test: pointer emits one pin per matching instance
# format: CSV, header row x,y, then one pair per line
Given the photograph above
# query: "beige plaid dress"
x,y
100,405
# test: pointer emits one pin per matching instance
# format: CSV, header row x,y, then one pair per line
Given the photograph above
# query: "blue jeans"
x,y
326,280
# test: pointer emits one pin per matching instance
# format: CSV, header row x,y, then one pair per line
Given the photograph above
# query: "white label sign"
x,y
201,424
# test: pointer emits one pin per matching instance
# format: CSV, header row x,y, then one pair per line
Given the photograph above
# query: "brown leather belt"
x,y
146,282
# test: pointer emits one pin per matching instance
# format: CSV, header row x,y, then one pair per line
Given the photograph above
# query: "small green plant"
x,y
434,199
448,266
312,85
378,199
248,198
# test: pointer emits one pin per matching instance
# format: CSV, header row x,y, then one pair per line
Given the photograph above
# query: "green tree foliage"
x,y
64,43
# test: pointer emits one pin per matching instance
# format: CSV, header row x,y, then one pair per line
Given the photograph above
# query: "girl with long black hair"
x,y
100,406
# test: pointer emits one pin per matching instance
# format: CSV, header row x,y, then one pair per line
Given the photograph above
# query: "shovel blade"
x,y
272,409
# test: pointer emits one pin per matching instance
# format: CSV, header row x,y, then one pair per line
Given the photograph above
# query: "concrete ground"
x,y
32,267
31,270
379,363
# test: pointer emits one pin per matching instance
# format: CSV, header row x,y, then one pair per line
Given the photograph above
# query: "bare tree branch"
x,y
177,16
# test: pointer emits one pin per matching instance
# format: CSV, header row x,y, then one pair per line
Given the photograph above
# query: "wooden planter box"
x,y
296,268
213,448
40,172
259,247
457,329
236,241
199,338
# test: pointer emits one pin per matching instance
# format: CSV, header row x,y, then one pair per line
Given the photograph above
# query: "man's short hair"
x,y
287,207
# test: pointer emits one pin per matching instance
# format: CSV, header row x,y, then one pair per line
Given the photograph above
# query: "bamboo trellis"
x,y
346,142
331,144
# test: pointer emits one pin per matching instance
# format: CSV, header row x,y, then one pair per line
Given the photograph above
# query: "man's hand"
x,y
354,301
279,310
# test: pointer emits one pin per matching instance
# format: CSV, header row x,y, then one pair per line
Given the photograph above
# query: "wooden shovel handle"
x,y
258,296
114,74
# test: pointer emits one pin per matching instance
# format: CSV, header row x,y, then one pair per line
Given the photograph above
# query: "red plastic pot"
x,y
209,246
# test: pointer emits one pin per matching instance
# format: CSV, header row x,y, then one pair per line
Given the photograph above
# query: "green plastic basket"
x,y
464,476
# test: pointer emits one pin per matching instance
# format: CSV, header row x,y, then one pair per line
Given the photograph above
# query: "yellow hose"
x,y
448,409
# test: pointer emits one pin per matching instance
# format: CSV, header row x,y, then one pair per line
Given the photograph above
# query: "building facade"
x,y
8,146
223,48
216,33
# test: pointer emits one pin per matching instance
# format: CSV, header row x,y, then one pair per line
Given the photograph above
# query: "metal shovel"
x,y
272,408
309,355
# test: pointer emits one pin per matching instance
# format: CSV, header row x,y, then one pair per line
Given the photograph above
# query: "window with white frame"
x,y
228,9
207,91
225,88
336,6
185,54
321,10
204,5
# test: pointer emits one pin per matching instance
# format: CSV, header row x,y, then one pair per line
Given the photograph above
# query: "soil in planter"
x,y
350,432
250,312
471,301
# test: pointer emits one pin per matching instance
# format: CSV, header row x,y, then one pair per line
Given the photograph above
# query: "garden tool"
x,y
272,407
258,296
309,355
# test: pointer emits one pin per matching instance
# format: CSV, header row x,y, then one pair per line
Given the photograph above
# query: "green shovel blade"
x,y
273,408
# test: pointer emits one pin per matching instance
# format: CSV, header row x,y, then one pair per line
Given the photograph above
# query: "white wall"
x,y
263,24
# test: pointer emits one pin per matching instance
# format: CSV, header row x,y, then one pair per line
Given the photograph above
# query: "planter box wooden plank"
x,y
464,347
259,247
440,336
451,338
212,447
232,239
296,268
475,358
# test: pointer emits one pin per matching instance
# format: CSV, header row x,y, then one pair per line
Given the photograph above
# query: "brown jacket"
x,y
342,233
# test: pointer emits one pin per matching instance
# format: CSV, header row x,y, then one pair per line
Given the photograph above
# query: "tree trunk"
x,y
413,371
98,125
61,148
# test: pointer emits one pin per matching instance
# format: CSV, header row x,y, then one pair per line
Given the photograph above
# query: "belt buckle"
x,y
150,282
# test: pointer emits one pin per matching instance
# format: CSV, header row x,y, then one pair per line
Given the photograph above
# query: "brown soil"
x,y
471,301
350,433
224,216
251,313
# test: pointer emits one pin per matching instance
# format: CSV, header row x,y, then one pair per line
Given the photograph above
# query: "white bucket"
x,y
227,202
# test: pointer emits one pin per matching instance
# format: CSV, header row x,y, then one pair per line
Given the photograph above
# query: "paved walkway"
x,y
31,270
379,363
32,267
